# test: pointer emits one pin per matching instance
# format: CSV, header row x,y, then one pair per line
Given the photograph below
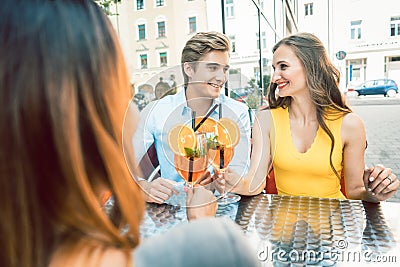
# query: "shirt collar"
x,y
181,100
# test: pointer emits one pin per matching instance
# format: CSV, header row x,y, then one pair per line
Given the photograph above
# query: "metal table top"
x,y
304,231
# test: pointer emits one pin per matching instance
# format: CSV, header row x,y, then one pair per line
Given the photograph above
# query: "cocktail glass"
x,y
194,163
219,156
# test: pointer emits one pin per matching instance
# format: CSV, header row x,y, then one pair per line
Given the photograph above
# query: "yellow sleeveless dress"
x,y
309,173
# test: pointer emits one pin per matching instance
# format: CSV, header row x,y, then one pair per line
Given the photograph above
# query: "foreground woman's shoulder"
x,y
113,257
89,256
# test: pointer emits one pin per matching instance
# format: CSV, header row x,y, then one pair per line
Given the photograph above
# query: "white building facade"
x,y
153,33
367,31
253,29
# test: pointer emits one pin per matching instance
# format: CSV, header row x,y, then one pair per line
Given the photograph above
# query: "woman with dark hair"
x,y
64,90
309,134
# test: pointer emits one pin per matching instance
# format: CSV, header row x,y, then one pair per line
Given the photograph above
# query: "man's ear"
x,y
188,68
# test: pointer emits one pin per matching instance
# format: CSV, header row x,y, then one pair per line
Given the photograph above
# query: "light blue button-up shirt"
x,y
159,116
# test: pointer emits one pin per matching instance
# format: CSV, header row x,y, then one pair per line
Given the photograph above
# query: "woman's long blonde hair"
x,y
64,89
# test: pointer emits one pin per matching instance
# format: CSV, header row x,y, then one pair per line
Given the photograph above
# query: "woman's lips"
x,y
281,85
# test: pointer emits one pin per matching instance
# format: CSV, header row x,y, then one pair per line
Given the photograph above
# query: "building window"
x,y
139,4
263,41
308,9
192,25
143,61
161,28
265,62
229,9
142,31
392,67
232,38
160,3
163,59
356,70
395,26
257,73
261,4
355,30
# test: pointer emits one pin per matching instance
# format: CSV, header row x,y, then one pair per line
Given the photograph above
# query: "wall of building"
x,y
278,19
243,28
175,13
375,47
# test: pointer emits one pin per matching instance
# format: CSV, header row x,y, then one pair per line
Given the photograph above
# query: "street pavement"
x,y
381,117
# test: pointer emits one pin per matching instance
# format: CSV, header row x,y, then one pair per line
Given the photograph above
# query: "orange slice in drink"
x,y
230,134
180,137
208,126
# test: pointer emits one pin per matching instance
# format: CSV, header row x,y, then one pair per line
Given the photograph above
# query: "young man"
x,y
205,65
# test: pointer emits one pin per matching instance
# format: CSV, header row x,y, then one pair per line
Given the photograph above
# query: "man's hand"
x,y
212,182
200,203
158,190
380,182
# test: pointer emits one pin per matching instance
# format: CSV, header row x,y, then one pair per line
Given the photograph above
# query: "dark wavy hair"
x,y
322,81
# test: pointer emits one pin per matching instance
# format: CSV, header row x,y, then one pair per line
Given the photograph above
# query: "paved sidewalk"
x,y
382,123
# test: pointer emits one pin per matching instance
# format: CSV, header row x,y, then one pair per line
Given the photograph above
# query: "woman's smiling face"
x,y
289,73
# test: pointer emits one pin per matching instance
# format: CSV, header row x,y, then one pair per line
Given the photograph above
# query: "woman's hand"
x,y
231,179
200,203
381,182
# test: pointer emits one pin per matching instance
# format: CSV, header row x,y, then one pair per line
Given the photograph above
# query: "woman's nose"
x,y
275,76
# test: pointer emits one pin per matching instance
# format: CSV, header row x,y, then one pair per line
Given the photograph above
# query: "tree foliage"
x,y
105,5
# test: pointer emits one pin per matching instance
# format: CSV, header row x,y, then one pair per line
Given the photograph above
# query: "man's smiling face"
x,y
208,76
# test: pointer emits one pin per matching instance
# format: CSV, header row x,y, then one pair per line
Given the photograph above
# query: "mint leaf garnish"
x,y
212,142
195,153
189,152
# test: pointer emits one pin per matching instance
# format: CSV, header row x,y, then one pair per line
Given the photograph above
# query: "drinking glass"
x,y
194,163
219,157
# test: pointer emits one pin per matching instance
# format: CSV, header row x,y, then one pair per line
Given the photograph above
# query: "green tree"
x,y
253,100
105,5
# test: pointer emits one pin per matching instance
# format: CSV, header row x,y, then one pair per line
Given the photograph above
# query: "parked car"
x,y
384,87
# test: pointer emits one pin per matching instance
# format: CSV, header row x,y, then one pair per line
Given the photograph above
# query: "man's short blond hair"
x,y
200,45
